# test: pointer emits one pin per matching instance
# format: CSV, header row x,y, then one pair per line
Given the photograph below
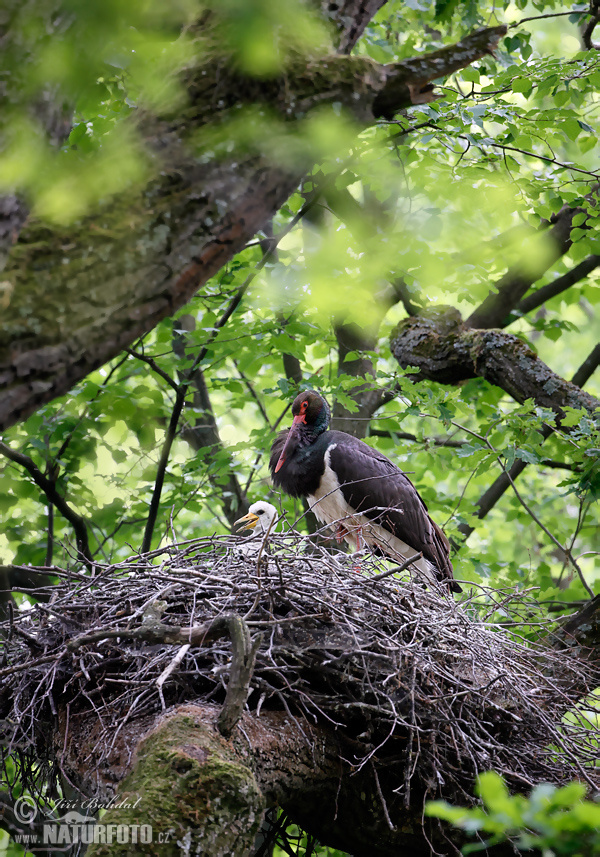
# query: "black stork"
x,y
347,482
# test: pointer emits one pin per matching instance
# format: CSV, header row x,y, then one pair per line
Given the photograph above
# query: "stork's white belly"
x,y
329,506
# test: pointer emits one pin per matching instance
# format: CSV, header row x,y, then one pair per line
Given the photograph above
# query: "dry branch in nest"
x,y
417,686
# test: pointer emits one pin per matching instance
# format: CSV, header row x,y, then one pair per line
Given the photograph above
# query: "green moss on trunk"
x,y
189,786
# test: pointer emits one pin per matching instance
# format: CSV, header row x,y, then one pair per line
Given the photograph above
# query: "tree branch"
x,y
412,78
403,295
350,18
48,487
490,497
447,351
588,30
155,368
172,235
588,367
204,434
243,656
162,468
551,290
510,289
180,397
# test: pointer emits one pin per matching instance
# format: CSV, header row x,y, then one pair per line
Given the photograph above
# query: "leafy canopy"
x,y
445,198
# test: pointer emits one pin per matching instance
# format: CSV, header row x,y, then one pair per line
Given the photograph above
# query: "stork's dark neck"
x,y
304,466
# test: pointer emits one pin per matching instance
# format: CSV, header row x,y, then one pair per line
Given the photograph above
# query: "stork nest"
x,y
420,686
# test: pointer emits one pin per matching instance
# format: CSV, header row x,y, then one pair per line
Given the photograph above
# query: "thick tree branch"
x,y
415,75
143,256
447,351
243,656
582,629
350,18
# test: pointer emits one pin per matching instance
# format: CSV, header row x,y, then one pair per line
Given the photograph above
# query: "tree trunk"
x,y
205,795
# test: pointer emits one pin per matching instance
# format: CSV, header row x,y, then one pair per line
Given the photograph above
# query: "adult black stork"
x,y
347,482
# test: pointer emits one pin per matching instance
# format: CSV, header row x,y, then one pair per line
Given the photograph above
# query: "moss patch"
x,y
189,787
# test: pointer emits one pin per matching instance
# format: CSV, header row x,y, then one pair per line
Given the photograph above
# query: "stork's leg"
x,y
340,533
358,533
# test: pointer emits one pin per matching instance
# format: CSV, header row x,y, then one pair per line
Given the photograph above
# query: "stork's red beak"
x,y
299,419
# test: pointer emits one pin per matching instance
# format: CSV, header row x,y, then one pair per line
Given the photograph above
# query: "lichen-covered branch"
x,y
445,350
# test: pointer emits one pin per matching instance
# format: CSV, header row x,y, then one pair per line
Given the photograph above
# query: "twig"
x,y
542,526
170,670
555,161
546,15
154,366
490,497
397,568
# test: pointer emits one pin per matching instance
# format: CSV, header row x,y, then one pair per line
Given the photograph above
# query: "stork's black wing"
x,y
372,484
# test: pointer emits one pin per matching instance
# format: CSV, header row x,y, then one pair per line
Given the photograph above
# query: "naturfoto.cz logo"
x,y
75,827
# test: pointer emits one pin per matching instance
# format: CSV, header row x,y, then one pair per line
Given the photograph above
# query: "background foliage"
x,y
425,210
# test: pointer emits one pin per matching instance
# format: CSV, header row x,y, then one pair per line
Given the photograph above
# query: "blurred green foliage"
x,y
557,822
446,198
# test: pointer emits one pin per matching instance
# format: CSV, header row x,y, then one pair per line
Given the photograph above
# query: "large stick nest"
x,y
417,685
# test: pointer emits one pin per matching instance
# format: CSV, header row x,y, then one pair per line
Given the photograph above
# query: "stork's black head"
x,y
311,418
312,410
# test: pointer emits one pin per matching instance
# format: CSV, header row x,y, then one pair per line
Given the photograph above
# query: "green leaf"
x,y
445,8
522,85
471,74
572,128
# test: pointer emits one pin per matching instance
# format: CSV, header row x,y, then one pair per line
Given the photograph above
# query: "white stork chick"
x,y
261,517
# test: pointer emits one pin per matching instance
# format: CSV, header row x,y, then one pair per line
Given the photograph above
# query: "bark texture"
x,y
446,350
206,795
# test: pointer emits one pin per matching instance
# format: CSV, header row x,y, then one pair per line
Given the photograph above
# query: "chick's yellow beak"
x,y
250,520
